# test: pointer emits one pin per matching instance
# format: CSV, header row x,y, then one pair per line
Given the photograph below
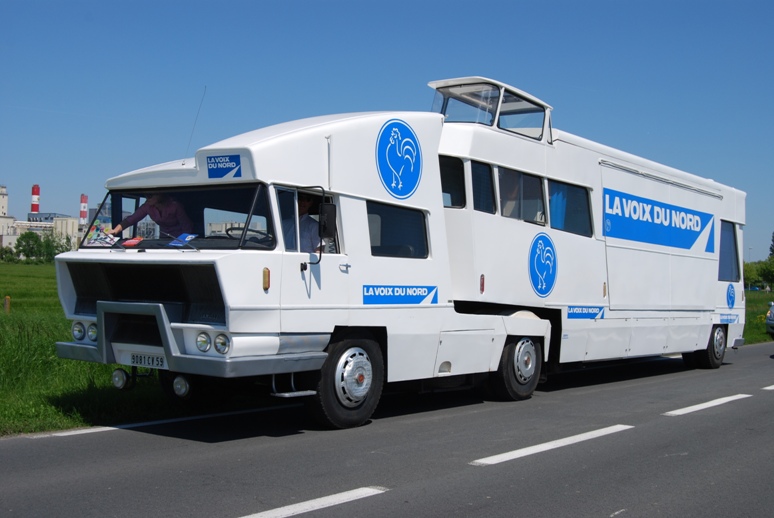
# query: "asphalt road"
x,y
641,440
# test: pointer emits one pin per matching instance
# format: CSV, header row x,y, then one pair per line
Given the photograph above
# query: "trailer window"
x,y
483,187
396,231
452,181
521,196
521,116
728,268
569,208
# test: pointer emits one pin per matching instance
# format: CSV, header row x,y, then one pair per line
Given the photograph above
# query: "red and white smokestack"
x,y
35,199
84,209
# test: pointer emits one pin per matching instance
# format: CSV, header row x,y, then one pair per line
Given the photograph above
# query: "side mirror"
x,y
327,220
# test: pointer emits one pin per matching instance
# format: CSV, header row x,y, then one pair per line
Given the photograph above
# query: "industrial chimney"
x,y
84,209
35,199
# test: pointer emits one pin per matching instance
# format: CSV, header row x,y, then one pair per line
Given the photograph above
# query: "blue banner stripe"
x,y
644,220
391,294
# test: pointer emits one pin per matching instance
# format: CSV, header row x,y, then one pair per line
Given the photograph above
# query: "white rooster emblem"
x,y
400,153
544,264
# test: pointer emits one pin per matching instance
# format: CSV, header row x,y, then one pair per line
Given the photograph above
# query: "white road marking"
x,y
531,450
320,503
770,387
96,429
708,404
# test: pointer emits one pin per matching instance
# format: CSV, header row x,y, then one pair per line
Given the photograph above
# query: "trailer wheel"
x,y
712,356
350,384
519,370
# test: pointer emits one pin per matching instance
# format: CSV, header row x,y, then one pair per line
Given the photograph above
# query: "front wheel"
x,y
350,384
712,356
519,371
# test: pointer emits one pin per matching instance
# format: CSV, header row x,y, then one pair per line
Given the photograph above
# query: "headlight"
x,y
203,342
79,331
91,332
222,343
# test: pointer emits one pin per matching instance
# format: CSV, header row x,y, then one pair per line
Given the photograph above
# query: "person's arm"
x,y
131,220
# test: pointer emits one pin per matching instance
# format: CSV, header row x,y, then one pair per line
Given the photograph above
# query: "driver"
x,y
309,228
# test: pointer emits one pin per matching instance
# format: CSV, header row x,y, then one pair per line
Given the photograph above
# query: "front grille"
x,y
190,293
133,329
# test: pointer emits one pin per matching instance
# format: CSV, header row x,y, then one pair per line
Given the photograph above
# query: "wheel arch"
x,y
525,323
376,333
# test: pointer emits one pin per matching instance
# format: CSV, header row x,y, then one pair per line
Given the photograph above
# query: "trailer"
x,y
331,256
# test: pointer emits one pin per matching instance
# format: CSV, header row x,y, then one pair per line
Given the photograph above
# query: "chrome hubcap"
x,y
354,376
719,343
524,360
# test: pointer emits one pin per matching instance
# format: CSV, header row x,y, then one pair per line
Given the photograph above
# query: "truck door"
x,y
315,279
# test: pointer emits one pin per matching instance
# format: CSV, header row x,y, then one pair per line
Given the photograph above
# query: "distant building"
x,y
8,231
44,217
11,228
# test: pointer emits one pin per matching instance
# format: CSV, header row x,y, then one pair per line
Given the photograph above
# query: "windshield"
x,y
200,218
467,103
478,102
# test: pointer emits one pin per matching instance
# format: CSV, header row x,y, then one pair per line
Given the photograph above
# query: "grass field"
x,y
40,392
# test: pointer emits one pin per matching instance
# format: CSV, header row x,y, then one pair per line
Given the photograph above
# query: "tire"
x,y
519,371
712,356
350,384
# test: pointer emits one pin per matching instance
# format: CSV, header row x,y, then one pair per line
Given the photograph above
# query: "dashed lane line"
x,y
708,404
320,503
531,450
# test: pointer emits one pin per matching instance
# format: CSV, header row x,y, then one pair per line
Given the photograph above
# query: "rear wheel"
x,y
712,356
350,384
519,370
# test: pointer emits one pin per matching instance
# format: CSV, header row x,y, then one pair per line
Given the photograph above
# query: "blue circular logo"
x,y
730,296
542,265
398,158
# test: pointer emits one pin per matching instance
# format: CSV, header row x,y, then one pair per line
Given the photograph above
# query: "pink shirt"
x,y
169,216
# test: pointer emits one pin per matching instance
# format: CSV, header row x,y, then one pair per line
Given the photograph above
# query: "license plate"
x,y
152,361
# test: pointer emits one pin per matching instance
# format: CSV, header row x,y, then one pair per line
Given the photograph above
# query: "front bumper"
x,y
176,358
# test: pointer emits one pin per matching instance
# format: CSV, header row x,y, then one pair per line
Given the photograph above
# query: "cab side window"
x,y
396,231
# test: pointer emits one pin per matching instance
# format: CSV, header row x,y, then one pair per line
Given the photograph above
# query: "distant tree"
x,y
7,255
29,246
752,276
771,247
766,270
52,245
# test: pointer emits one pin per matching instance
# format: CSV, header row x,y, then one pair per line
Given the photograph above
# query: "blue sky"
x,y
92,89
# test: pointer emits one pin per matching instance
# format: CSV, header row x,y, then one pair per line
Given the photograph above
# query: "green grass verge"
x,y
40,392
757,304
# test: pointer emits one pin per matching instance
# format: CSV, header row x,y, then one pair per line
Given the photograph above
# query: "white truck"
x,y
474,241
